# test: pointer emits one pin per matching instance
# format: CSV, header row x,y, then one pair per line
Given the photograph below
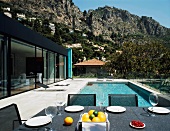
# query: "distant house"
x,y
92,66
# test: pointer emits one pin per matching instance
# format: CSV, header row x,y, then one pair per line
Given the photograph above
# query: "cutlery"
x,y
147,112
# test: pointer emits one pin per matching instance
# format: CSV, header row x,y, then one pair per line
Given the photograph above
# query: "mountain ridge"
x,y
104,20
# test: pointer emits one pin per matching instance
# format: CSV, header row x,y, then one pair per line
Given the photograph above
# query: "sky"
x,y
159,10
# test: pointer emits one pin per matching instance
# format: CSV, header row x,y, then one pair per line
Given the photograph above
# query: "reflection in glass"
x,y
22,66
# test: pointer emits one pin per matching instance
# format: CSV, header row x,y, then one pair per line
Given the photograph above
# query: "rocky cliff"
x,y
104,20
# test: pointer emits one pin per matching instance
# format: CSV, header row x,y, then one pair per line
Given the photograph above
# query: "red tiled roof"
x,y
93,62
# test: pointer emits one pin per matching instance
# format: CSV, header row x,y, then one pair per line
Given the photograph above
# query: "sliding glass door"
x,y
22,66
3,67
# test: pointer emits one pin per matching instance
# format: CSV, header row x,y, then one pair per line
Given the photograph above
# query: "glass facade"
x,y
61,67
22,66
3,67
39,65
27,58
49,67
57,68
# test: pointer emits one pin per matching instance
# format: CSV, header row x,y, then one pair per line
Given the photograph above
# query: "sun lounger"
x,y
42,85
100,79
109,78
165,86
62,84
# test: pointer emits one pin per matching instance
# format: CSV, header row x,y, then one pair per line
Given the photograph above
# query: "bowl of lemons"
x,y
94,120
94,116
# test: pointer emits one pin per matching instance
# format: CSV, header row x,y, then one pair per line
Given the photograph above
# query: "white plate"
x,y
38,121
116,109
160,110
137,126
74,108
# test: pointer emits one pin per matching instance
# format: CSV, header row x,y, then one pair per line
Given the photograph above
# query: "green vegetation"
x,y
140,61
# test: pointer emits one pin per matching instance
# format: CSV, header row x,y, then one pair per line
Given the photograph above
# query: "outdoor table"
x,y
118,121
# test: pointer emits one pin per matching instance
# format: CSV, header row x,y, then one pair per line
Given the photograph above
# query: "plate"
x,y
74,108
116,109
137,126
38,121
160,110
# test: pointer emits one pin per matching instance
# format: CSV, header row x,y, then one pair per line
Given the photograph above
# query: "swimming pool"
x,y
117,88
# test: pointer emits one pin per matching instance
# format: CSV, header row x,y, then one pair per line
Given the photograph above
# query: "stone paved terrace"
x,y
31,102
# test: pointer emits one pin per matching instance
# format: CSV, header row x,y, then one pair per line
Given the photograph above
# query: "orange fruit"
x,y
96,119
68,121
85,116
102,117
90,112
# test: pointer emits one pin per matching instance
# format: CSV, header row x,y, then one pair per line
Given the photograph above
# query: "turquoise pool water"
x,y
116,88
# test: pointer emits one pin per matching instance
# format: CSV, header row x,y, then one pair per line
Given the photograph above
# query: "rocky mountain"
x,y
104,20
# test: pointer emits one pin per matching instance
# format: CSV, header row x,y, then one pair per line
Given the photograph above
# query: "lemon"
x,y
100,112
96,119
102,117
86,120
85,117
68,121
90,112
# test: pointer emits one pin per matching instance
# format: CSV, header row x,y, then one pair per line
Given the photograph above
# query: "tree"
x,y
45,27
140,59
37,25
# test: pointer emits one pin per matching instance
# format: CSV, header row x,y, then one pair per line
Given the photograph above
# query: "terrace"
x,y
32,102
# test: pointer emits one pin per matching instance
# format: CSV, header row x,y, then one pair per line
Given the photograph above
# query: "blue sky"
x,y
157,9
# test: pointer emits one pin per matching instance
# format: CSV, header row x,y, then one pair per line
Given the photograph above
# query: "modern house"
x,y
27,57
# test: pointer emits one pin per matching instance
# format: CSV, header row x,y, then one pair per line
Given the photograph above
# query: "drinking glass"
x,y
51,111
101,100
60,98
153,99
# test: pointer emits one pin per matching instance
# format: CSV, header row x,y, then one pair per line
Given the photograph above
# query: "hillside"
x,y
128,43
104,20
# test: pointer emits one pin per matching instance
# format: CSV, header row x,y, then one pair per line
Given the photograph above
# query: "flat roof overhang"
x,y
14,29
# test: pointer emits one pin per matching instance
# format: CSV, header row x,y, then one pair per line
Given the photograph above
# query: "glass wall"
x,y
61,67
39,65
3,67
49,67
27,58
45,59
57,68
22,66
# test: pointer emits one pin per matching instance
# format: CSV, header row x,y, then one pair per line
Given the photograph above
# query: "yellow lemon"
x,y
85,117
68,121
101,113
102,117
86,120
96,119
90,112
